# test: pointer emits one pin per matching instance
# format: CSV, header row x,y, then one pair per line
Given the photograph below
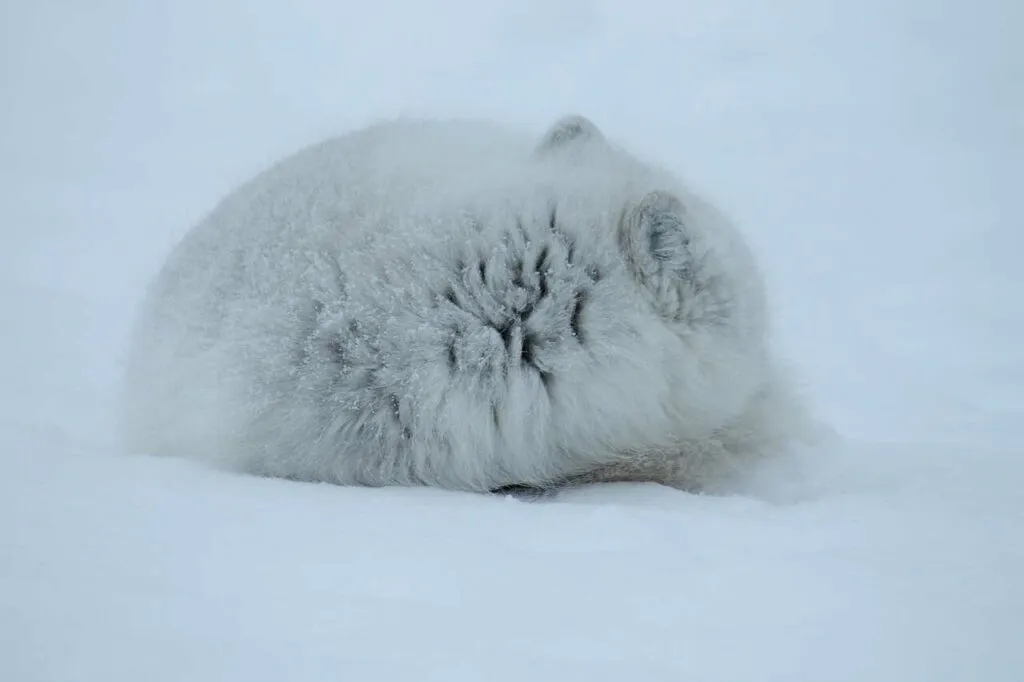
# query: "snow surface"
x,y
869,149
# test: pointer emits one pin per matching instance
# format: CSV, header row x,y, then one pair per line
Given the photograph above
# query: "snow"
x,y
870,151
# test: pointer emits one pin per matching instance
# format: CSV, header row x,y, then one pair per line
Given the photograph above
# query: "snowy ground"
x,y
870,150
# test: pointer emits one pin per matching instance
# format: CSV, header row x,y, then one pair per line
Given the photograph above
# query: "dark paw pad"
x,y
525,493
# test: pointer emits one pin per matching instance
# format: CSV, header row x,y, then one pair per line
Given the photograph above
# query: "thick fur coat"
x,y
460,305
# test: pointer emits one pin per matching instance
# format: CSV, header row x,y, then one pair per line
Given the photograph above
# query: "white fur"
x,y
373,310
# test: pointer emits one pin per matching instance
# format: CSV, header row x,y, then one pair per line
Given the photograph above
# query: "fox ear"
x,y
568,132
654,238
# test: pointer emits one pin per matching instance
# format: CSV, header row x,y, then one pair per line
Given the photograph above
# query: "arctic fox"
x,y
456,304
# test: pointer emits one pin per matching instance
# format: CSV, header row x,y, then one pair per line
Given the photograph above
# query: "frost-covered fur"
x,y
459,305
